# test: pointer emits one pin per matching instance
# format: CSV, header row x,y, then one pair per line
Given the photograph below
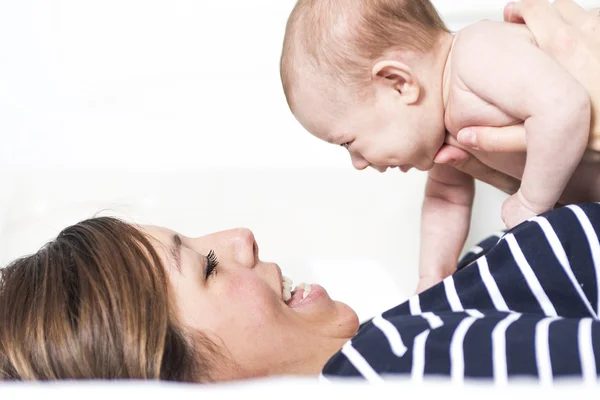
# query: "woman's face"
x,y
239,305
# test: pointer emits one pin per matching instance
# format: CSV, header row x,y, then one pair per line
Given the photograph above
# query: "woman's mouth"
x,y
293,296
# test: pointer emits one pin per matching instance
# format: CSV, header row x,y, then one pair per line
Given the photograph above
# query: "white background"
x,y
171,112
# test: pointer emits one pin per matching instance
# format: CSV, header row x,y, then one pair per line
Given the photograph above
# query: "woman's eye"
x,y
211,264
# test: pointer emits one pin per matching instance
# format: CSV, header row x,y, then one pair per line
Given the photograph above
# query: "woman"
x,y
109,300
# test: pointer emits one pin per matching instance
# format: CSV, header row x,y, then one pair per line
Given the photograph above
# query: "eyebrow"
x,y
175,250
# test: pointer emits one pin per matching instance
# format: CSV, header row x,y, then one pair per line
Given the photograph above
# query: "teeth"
x,y
286,294
286,291
287,285
307,290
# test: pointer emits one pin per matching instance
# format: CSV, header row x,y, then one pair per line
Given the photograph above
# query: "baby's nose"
x,y
358,161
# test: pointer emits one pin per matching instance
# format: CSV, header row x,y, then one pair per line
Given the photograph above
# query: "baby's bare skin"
x,y
480,92
414,102
482,96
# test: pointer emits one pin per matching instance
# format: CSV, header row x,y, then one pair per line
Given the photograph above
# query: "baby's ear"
x,y
399,76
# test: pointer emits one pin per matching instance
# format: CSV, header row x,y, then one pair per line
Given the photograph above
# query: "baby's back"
x,y
465,108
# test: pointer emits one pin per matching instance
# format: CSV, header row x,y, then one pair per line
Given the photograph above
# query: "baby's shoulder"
x,y
486,33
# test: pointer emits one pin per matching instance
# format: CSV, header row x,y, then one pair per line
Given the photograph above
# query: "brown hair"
x,y
345,36
94,304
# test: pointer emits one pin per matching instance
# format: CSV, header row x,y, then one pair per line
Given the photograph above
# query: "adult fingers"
x,y
542,19
469,164
494,139
571,12
591,24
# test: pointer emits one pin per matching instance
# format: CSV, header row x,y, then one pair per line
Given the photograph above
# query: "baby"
x,y
389,82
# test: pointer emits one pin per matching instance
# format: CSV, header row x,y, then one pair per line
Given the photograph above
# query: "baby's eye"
x,y
345,145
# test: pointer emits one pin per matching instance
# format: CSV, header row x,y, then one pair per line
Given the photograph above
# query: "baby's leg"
x,y
549,266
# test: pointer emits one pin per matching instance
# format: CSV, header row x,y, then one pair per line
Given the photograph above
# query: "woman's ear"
x,y
398,76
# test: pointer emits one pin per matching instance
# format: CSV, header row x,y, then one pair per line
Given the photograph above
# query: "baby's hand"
x,y
517,209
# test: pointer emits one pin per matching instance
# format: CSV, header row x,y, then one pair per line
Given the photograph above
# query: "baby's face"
x,y
381,131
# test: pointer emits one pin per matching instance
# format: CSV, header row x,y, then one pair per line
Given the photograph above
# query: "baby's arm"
x,y
511,73
445,222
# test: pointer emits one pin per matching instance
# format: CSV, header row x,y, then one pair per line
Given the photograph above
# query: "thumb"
x,y
505,139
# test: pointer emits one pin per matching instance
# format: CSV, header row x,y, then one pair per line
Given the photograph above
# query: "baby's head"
x,y
367,75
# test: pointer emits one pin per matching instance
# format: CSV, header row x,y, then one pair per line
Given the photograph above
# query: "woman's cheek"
x,y
251,297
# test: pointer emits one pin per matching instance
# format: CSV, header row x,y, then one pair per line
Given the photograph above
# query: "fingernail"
x,y
467,137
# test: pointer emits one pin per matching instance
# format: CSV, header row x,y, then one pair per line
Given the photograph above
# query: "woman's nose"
x,y
245,247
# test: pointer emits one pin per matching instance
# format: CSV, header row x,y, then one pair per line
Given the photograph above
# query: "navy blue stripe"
x,y
510,280
564,349
478,347
402,309
434,299
339,365
437,355
471,289
520,347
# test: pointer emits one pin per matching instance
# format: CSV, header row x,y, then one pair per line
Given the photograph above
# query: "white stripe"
x,y
457,352
542,350
490,285
434,321
392,335
476,250
586,351
361,365
530,278
562,258
323,379
451,295
592,238
475,313
414,305
499,349
418,367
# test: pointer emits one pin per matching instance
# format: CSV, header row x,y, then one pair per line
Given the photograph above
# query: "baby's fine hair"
x,y
342,37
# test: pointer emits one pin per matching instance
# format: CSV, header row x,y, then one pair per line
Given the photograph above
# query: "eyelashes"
x,y
345,145
212,263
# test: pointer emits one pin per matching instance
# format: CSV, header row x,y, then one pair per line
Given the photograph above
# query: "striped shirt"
x,y
522,304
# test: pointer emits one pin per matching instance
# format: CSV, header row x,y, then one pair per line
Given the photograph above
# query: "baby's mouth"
x,y
289,291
